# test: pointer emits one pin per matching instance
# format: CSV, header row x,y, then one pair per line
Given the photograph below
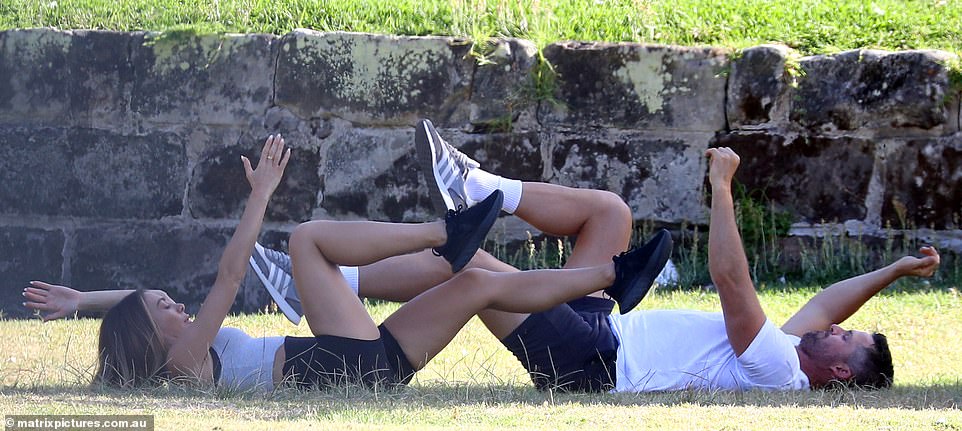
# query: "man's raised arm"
x,y
727,263
842,299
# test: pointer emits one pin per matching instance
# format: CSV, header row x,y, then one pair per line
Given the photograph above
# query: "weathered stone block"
x,y
27,254
91,173
923,184
873,89
213,79
818,179
372,79
372,174
101,78
34,83
181,260
219,187
629,85
659,178
757,86
512,155
501,87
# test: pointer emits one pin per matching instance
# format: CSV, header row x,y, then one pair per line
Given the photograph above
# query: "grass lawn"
x,y
476,384
811,26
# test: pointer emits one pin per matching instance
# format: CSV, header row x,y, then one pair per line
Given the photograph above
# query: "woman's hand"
x,y
919,266
52,301
270,169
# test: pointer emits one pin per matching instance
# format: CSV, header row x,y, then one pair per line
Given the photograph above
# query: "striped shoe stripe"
x,y
444,167
279,279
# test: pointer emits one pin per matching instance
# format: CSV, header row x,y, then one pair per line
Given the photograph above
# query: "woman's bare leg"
x,y
329,304
430,321
401,278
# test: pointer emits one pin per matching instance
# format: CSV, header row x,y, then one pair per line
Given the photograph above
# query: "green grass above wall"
x,y
810,26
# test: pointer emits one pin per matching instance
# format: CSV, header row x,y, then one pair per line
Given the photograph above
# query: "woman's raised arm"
x,y
188,353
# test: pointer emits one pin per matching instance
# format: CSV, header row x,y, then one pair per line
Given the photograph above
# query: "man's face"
x,y
834,345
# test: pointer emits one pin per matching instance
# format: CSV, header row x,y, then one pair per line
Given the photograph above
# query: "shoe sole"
x,y
474,242
661,251
275,294
423,141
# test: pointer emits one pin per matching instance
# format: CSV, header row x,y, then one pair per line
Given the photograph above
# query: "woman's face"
x,y
168,316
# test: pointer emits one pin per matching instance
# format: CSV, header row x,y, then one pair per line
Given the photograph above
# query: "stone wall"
x,y
119,152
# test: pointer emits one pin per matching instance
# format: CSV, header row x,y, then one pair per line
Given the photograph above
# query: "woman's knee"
x,y
473,276
473,281
305,235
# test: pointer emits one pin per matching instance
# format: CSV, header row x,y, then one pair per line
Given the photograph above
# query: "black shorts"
x,y
569,347
328,361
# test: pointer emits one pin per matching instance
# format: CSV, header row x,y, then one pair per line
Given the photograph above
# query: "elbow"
x,y
724,283
728,276
231,273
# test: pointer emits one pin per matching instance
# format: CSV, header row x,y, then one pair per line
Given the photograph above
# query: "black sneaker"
x,y
636,270
467,228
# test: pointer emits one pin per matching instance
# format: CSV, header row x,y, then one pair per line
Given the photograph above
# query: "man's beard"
x,y
811,343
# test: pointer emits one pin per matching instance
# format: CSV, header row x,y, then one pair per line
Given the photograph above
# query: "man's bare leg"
x,y
600,220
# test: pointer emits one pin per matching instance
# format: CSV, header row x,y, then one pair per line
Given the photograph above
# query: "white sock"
x,y
350,274
481,184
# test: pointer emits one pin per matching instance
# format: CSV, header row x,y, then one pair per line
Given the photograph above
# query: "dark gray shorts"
x,y
570,347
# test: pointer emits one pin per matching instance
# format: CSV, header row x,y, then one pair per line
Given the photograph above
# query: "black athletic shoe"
x,y
467,229
636,270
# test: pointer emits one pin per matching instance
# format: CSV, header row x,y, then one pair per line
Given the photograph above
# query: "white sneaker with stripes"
x,y
445,168
273,268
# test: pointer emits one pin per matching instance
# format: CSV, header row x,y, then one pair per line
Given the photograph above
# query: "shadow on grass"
x,y
294,403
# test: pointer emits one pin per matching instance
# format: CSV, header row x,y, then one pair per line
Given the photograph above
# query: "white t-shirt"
x,y
664,350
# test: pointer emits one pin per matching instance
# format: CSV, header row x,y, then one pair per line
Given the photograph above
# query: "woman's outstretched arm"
x,y
54,301
188,353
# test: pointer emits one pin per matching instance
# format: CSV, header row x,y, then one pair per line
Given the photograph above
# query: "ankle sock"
x,y
480,184
350,274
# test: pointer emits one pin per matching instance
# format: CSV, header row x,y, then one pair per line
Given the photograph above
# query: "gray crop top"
x,y
245,362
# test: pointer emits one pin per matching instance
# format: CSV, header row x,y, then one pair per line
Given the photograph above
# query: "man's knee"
x,y
613,206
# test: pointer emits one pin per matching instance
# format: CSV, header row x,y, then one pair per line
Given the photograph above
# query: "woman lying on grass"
x,y
146,337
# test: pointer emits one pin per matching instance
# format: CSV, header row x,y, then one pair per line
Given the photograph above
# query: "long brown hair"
x,y
131,352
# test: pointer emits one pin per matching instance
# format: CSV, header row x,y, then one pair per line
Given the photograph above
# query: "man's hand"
x,y
53,301
919,267
723,162
727,263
